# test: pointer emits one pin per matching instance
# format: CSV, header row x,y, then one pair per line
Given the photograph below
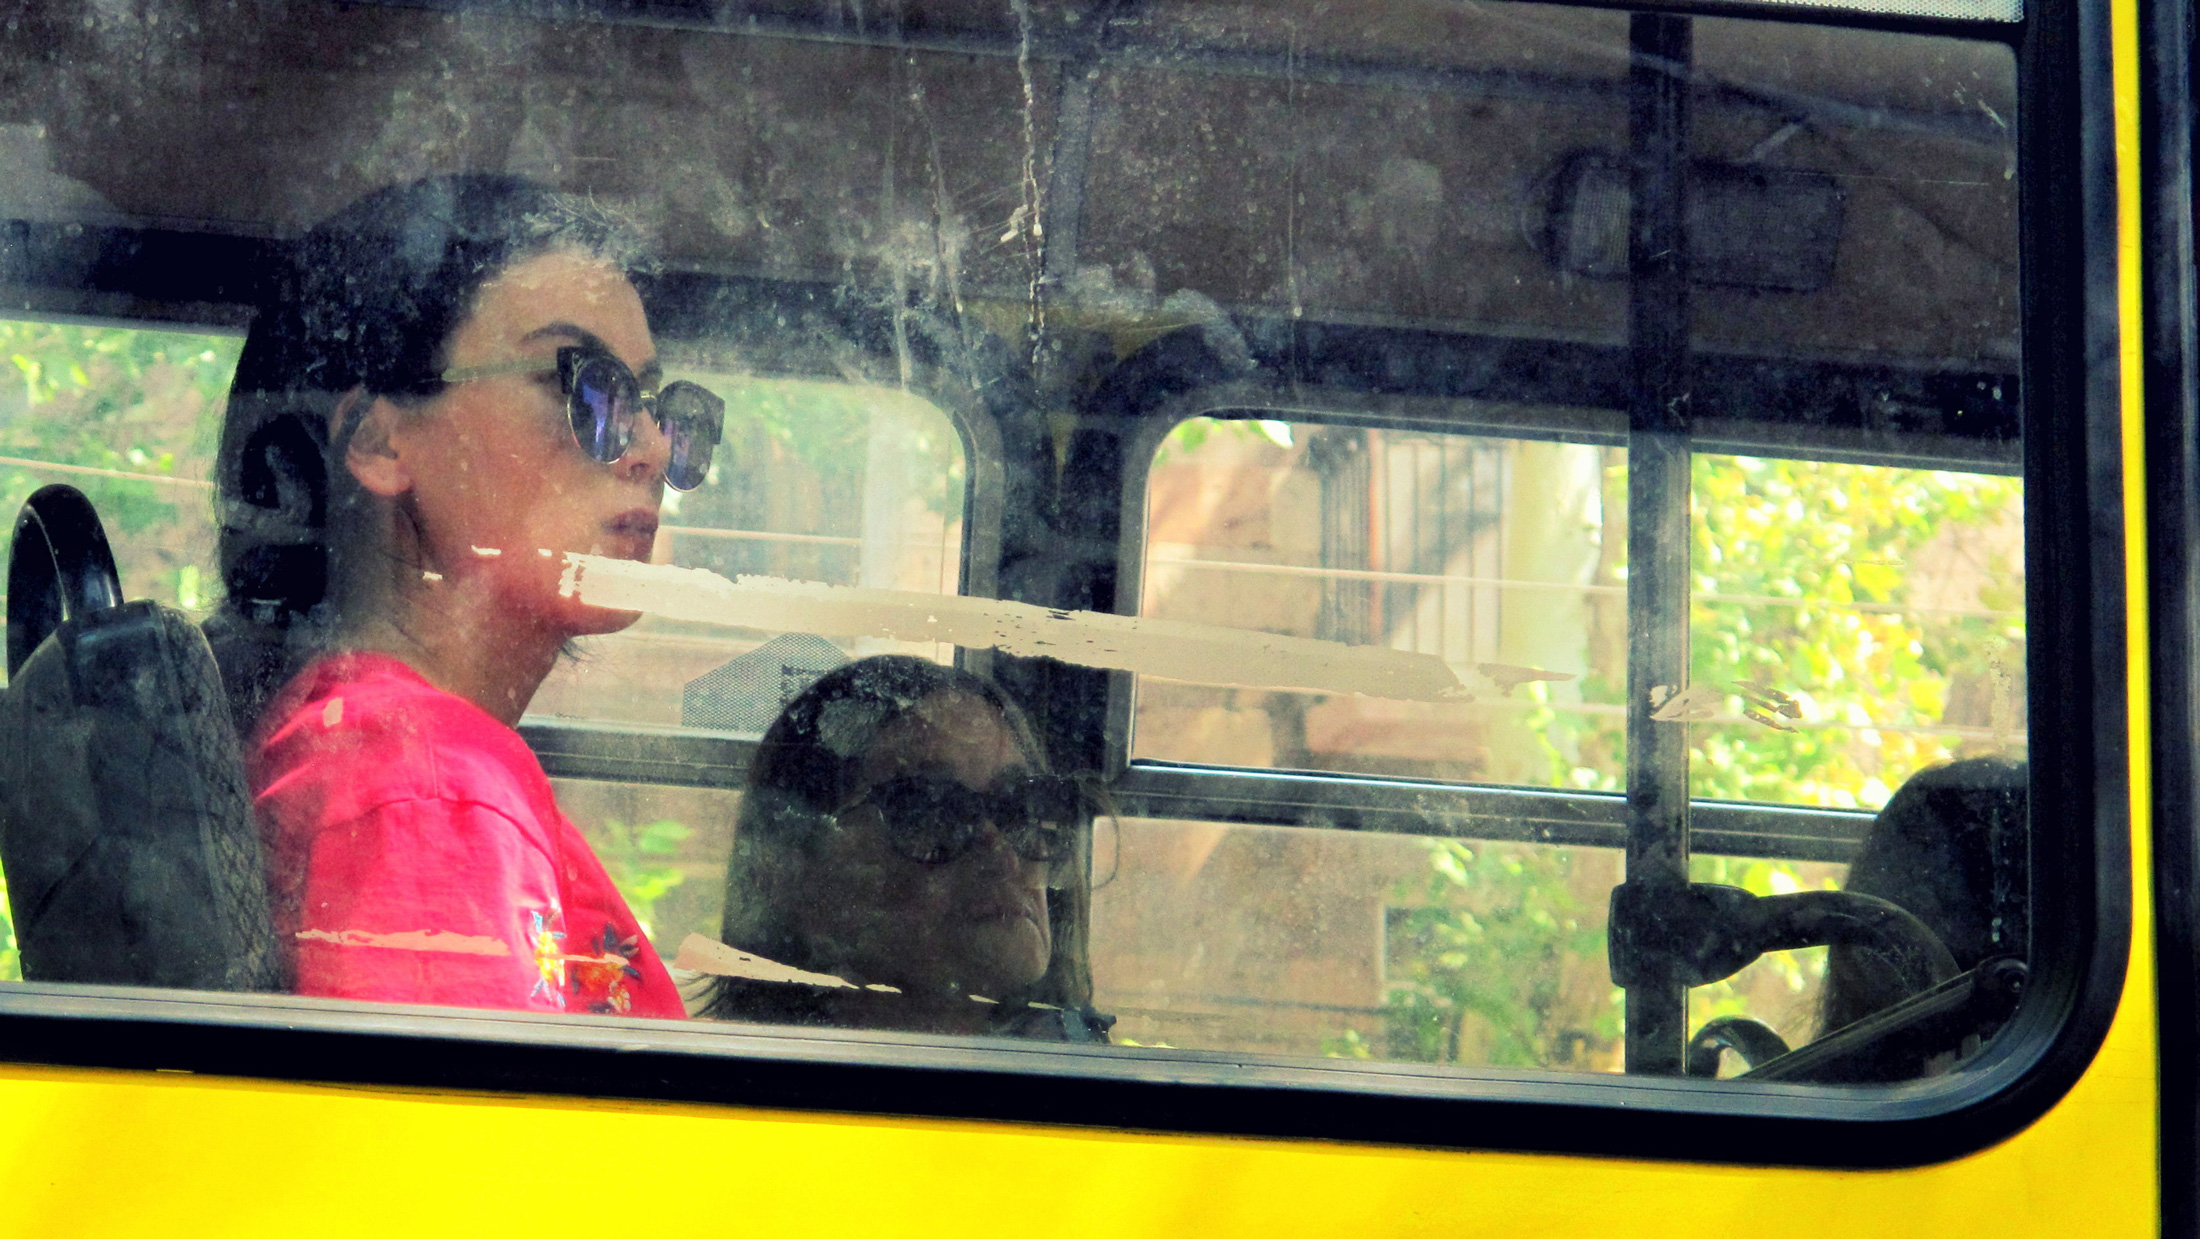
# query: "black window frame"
x,y
2170,313
2076,615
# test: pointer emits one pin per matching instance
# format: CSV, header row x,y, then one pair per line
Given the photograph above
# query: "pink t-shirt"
x,y
416,854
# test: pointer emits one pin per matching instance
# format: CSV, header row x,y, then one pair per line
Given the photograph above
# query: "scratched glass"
x,y
1175,568
835,483
1831,659
1487,564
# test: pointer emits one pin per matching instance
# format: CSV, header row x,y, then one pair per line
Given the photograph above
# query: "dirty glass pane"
x,y
1832,659
128,415
1355,946
1806,209
1853,624
663,847
1489,554
1394,949
1078,523
828,482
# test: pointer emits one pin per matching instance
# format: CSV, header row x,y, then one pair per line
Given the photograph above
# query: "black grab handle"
x,y
59,568
1703,932
1756,1043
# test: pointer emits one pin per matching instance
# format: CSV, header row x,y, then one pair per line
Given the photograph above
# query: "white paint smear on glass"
x,y
413,940
1170,649
701,954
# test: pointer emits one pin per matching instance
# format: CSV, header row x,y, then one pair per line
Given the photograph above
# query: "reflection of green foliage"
x,y
1822,533
111,398
1815,537
135,401
638,858
1350,1043
1483,947
826,426
11,960
1192,433
1596,761
1805,539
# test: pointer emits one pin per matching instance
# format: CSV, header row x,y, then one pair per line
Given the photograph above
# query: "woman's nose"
x,y
993,847
648,452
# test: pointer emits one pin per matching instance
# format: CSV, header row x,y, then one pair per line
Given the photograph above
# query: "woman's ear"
x,y
371,453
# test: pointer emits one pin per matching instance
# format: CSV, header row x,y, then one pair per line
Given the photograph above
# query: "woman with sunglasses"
x,y
900,832
455,387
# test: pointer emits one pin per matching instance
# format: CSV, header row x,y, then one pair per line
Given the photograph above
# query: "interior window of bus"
x,y
1334,531
1831,658
1832,628
1506,558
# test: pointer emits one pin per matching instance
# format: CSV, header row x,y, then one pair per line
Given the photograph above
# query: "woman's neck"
x,y
462,643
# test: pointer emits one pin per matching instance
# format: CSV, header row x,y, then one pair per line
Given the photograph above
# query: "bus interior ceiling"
x,y
1437,181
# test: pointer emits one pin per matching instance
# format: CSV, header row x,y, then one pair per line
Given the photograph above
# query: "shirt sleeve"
x,y
432,901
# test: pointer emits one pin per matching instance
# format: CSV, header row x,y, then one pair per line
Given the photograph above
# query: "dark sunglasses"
x,y
602,398
933,819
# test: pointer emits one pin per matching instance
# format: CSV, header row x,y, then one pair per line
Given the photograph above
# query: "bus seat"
x,y
126,828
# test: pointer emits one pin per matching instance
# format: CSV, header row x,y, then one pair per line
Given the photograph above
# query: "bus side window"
x,y
1832,662
1463,508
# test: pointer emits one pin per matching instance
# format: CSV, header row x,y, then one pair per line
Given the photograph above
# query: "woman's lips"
x,y
635,532
1008,912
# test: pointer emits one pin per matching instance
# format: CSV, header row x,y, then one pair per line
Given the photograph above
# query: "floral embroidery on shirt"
x,y
607,972
550,956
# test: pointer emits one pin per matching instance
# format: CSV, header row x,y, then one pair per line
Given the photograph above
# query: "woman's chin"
x,y
590,621
1014,958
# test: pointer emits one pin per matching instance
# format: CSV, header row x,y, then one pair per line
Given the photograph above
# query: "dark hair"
x,y
366,301
803,772
1950,848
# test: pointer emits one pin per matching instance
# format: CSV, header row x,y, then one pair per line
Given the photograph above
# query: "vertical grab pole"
x,y
1657,507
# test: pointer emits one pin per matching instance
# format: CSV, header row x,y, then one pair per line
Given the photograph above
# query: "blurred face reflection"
x,y
976,924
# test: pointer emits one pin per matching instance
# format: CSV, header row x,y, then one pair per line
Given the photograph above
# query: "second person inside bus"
x,y
900,831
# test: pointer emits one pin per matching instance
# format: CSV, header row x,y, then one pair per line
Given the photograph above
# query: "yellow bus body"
x,y
124,1153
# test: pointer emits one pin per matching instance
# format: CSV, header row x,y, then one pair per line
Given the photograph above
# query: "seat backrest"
x,y
126,827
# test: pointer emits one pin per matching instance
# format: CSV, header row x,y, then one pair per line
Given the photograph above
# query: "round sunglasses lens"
x,y
689,417
1055,810
932,842
919,824
603,402
1042,841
